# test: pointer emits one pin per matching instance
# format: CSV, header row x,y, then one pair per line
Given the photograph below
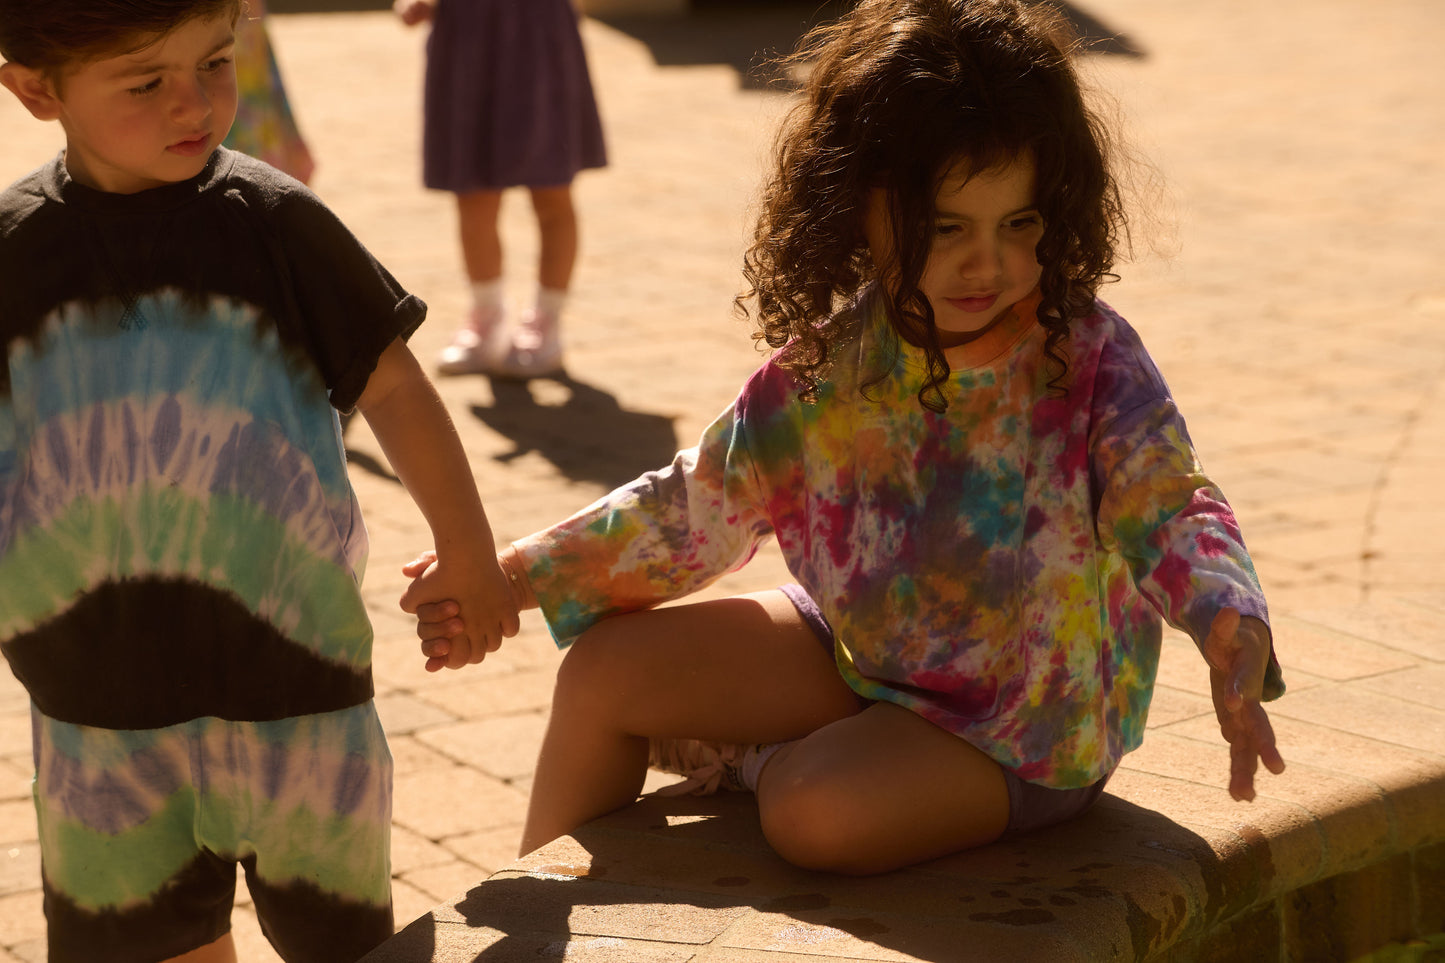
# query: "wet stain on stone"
x,y
1058,900
798,902
1000,894
1018,917
567,869
1089,889
1090,867
731,881
863,928
1025,901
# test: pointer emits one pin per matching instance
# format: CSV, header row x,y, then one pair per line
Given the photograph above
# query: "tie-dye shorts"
x,y
141,831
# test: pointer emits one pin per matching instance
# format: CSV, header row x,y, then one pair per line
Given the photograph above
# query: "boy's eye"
x,y
212,66
1025,222
146,88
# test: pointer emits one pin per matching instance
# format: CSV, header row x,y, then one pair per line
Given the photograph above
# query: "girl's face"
x,y
983,257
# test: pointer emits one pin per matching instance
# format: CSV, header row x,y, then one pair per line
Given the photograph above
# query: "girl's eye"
x,y
211,66
147,88
947,230
1024,223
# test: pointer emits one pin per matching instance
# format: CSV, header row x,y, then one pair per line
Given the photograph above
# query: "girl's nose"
x,y
983,259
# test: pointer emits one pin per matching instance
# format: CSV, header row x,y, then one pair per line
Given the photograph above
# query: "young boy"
x,y
180,548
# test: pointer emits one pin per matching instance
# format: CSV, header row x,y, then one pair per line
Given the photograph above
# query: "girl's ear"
x,y
33,89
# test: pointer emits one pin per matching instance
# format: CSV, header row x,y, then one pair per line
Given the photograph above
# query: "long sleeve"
x,y
1158,509
664,535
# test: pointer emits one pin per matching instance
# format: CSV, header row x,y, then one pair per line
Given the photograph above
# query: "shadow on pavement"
x,y
587,435
746,35
692,866
751,36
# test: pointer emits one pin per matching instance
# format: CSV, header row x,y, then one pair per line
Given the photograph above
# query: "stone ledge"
x,y
1342,854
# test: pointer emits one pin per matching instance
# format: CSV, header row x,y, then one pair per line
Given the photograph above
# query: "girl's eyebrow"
x,y
954,215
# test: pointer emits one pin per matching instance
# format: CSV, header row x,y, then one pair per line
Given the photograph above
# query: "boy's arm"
x,y
415,433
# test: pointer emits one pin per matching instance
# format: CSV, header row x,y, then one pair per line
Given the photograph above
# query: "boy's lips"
x,y
191,146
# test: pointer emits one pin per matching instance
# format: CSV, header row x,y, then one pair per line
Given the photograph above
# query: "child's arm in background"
x,y
413,12
415,433
1237,650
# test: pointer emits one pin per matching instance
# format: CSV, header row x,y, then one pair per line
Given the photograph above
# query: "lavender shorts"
x,y
1030,806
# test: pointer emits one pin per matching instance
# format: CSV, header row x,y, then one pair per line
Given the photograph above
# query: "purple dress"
x,y
508,98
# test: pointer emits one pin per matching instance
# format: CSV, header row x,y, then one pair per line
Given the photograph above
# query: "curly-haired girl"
x,y
974,471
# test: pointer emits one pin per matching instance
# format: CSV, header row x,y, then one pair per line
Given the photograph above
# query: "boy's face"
x,y
139,120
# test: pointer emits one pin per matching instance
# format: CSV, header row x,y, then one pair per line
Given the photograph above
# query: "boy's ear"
x,y
32,88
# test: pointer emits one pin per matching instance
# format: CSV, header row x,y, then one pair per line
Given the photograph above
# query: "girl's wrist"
x,y
511,563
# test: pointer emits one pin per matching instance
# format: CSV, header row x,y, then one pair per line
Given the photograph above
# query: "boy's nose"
x,y
191,103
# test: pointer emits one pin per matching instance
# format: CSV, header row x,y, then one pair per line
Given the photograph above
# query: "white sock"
x,y
550,301
487,296
755,758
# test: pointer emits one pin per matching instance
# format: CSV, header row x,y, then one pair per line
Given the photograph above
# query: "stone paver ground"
x,y
1288,279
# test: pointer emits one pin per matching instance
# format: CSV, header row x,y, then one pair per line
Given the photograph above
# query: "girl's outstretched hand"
x,y
1238,652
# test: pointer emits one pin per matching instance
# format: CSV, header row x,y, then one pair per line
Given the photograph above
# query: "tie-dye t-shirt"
x,y
178,535
999,568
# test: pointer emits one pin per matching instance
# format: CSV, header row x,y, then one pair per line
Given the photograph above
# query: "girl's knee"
x,y
589,669
811,824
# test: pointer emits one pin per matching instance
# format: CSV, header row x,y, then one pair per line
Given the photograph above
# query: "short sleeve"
x,y
348,307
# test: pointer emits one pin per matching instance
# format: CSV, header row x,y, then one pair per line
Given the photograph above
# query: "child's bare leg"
x,y
222,950
481,241
557,226
740,670
474,346
877,791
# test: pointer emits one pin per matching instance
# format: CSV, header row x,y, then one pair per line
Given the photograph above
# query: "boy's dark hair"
x,y
899,92
49,35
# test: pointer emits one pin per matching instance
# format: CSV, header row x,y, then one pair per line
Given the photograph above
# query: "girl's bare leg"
x,y
477,213
741,670
557,226
879,790
222,950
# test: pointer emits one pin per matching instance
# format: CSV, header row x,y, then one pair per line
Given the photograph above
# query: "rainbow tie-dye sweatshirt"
x,y
999,568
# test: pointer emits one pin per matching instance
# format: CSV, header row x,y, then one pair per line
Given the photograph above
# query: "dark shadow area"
x,y
693,848
589,436
325,6
750,36
747,35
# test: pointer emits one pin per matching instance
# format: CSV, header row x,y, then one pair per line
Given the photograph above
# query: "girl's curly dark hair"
x,y
899,93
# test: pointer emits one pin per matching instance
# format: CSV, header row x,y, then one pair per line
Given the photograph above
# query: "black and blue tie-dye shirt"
x,y
178,535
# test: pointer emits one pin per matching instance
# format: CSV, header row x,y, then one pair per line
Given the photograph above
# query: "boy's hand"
x,y
1238,653
413,12
478,605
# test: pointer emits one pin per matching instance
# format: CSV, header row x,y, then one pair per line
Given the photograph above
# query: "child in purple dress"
x,y
508,103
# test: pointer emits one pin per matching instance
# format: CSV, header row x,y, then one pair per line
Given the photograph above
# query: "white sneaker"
x,y
474,348
535,351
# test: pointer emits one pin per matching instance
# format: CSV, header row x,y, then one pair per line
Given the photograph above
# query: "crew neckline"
x,y
62,187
